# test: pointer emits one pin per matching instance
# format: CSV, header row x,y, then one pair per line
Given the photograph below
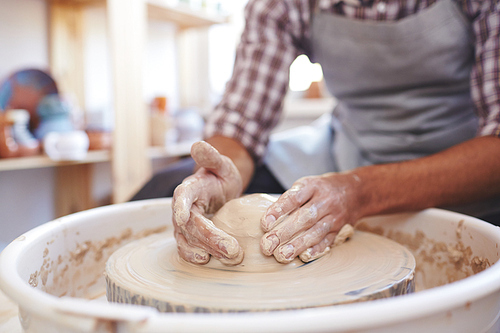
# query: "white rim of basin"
x,y
348,316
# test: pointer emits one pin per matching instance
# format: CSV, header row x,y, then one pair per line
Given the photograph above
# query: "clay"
x,y
344,234
240,218
438,263
55,275
150,272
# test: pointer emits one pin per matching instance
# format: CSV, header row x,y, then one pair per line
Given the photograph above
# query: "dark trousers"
x,y
164,183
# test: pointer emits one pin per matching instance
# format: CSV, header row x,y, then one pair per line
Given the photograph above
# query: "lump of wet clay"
x,y
240,218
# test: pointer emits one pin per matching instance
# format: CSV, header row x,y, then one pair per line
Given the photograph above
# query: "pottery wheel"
x,y
150,272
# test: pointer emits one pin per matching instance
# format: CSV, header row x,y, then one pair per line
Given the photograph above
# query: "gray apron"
x,y
403,89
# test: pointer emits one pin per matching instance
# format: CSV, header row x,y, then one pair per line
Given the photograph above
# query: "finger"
x,y
289,201
202,232
300,220
199,247
330,241
233,261
195,243
199,256
319,249
307,239
206,156
182,202
193,190
185,195
189,253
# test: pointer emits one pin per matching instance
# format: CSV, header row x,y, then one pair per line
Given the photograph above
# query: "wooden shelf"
x,y
126,24
77,2
42,161
94,156
182,15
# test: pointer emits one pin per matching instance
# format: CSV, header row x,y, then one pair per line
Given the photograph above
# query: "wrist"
x,y
371,191
350,185
389,188
238,154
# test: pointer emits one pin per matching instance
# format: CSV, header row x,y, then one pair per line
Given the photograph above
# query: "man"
x,y
416,125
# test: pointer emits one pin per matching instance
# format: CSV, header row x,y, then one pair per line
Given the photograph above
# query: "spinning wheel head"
x,y
150,272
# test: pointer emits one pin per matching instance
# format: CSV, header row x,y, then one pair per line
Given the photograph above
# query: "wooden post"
x,y
66,48
73,189
193,67
73,183
131,166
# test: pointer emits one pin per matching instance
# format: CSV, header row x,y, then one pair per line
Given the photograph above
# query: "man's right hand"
x,y
215,182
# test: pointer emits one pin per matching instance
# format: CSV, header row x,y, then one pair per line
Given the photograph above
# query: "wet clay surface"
x,y
438,263
65,273
150,272
240,218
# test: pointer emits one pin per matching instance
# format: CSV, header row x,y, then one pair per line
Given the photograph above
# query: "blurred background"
x,y
122,87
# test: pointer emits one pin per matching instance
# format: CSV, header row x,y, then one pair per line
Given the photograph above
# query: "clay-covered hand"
x,y
215,182
306,219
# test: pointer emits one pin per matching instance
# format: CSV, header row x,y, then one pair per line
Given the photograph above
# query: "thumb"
x,y
206,156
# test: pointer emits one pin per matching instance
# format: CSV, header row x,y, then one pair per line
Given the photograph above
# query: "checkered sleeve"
x,y
485,76
251,104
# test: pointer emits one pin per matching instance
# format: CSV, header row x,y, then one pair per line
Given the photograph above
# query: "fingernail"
x,y
200,258
310,256
270,243
287,251
180,217
269,221
229,247
306,256
233,261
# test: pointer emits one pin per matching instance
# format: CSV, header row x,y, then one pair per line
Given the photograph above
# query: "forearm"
x,y
251,105
237,153
462,174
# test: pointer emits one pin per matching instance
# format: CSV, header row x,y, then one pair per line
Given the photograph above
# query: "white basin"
x,y
55,274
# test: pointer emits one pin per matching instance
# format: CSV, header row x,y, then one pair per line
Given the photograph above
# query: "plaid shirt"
x,y
277,31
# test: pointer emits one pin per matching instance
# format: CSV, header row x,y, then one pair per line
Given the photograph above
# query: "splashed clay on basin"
x,y
55,274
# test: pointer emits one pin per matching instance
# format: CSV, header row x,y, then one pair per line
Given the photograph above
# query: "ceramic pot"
x,y
66,146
